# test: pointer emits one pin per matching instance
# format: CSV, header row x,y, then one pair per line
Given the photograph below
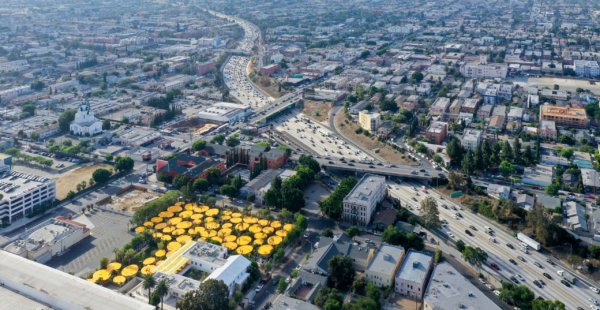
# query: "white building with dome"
x,y
85,123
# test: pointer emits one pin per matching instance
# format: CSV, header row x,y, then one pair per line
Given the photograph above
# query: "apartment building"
x,y
439,106
586,68
565,116
412,276
361,202
437,132
384,264
471,139
369,121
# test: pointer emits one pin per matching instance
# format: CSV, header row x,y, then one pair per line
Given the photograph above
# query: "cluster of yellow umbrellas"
x,y
235,231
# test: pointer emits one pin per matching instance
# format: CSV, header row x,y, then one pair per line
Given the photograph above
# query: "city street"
x,y
498,252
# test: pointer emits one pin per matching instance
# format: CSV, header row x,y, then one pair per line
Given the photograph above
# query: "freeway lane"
x,y
578,295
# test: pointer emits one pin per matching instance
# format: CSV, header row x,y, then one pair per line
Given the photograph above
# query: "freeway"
x,y
579,295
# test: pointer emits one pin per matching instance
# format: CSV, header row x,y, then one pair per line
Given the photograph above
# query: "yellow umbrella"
x,y
197,216
217,239
150,269
263,222
244,249
250,220
242,226
92,280
186,214
227,212
268,230
140,229
274,240
167,230
149,261
101,275
175,221
183,239
212,233
178,232
184,225
148,224
166,214
225,217
259,241
243,240
203,209
114,266
276,224
119,280
231,246
157,235
160,253
281,233
129,271
160,226
156,219
209,219
173,246
212,225
236,214
189,206
227,225
224,232
255,228
288,227
174,209
230,238
265,250
197,221
179,203
260,235
212,212
236,220
166,238
204,234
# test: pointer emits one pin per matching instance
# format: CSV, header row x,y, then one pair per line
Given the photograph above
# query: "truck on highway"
x,y
528,241
567,276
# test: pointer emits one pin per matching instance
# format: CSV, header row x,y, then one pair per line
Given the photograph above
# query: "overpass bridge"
x,y
278,107
374,167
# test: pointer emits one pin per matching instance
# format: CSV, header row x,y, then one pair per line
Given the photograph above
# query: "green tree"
x,y
341,272
359,285
332,205
431,214
327,233
374,294
474,256
547,305
162,289
281,285
460,245
552,189
455,151
148,283
567,152
101,175
124,164
199,145
517,295
292,198
228,190
506,168
213,176
201,184
105,124
65,119
506,152
211,295
352,231
218,139
233,140
103,262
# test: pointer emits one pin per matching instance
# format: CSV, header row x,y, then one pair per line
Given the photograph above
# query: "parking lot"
x,y
110,231
318,138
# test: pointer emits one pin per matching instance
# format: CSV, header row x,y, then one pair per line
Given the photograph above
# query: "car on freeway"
x,y
538,265
512,261
521,258
512,278
521,277
541,281
537,283
473,227
551,262
493,240
565,283
468,232
594,289
547,275
510,246
445,206
350,164
495,266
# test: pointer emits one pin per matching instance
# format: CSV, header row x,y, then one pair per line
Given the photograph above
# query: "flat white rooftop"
x,y
41,284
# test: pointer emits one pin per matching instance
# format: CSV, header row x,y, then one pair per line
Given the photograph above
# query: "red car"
x,y
495,266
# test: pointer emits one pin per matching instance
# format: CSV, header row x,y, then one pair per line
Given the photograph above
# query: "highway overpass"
x,y
279,106
400,171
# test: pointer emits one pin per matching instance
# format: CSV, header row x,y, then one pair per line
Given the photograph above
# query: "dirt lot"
x,y
68,181
318,111
347,128
132,200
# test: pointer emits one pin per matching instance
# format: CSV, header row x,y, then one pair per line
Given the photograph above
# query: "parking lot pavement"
x,y
109,232
318,138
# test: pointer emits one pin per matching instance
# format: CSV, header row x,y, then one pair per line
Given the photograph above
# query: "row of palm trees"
x,y
162,288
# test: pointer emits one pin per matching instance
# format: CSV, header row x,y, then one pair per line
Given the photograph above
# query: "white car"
x,y
594,289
